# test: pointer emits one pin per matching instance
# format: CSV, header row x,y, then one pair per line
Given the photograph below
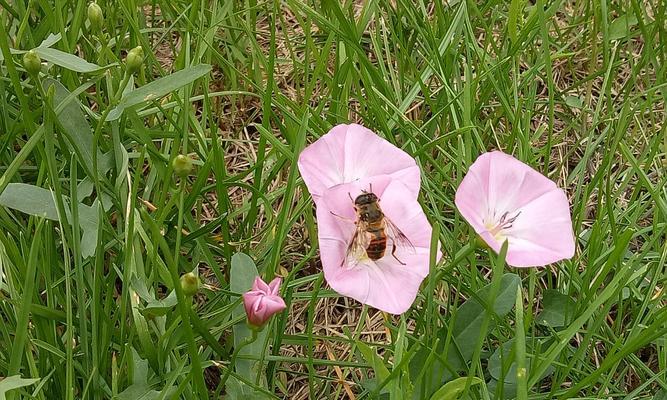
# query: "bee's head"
x,y
365,198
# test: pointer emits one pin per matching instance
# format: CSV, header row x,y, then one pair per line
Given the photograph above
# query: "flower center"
x,y
499,228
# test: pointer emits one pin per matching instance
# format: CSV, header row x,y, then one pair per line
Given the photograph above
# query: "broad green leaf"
x,y
465,334
50,40
139,368
501,363
372,358
78,132
30,199
574,101
66,60
40,202
393,388
470,314
622,26
89,221
14,382
239,390
140,389
242,275
508,389
157,308
452,390
158,88
557,309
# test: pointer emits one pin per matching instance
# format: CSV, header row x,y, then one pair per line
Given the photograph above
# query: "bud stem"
x,y
232,361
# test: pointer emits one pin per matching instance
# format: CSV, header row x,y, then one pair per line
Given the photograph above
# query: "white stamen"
x,y
498,228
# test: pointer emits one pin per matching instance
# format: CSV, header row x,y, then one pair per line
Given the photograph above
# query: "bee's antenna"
x,y
370,187
350,196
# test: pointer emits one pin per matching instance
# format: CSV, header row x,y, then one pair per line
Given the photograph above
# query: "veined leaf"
x,y
66,60
40,202
452,390
557,310
158,88
465,334
14,382
77,129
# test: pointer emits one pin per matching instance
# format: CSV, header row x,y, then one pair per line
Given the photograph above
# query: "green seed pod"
x,y
182,165
32,63
134,60
189,284
95,17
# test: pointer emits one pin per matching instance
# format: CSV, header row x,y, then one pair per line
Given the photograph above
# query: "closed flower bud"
x,y
134,60
262,301
95,17
32,63
189,284
182,165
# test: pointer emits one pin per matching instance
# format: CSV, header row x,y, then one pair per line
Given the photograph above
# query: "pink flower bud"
x,y
262,301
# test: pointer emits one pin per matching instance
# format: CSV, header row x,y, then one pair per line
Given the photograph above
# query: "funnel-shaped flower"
x,y
505,199
262,301
349,161
390,283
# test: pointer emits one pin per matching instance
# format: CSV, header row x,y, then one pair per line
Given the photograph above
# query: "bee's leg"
x,y
343,218
393,253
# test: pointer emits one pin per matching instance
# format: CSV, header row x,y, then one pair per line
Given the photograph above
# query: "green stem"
x,y
183,308
237,350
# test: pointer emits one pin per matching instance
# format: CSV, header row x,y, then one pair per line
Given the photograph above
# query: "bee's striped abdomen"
x,y
377,245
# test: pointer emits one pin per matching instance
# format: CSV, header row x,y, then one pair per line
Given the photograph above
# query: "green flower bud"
x,y
95,17
189,284
32,63
182,165
134,60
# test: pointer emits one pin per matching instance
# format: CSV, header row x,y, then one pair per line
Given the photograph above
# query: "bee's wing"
x,y
357,247
396,236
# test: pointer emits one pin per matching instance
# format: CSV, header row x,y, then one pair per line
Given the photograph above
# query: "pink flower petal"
x,y
351,152
543,232
260,285
274,304
385,283
257,305
274,286
498,188
500,182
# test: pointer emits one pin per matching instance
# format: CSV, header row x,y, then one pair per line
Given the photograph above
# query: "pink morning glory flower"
x,y
262,301
349,161
505,199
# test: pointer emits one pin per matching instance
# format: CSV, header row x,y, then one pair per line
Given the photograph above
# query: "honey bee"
x,y
374,230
